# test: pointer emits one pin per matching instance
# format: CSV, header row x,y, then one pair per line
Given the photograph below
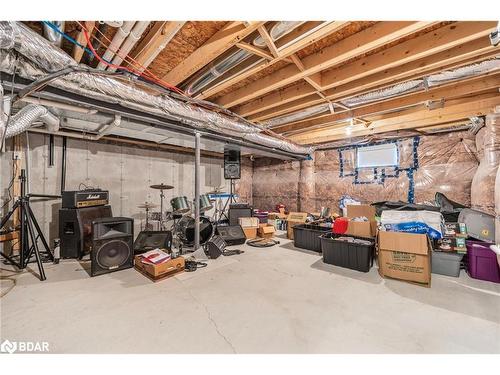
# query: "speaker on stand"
x,y
112,245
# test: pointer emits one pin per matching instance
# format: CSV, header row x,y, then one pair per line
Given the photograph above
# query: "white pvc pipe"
x,y
122,33
129,43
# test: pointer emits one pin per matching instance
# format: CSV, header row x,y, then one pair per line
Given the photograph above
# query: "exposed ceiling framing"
x,y
320,63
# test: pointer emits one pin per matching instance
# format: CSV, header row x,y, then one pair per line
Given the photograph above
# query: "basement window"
x,y
383,155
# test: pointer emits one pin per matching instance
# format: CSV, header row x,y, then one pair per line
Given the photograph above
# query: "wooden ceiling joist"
x,y
268,40
227,37
426,45
476,106
155,41
452,90
254,50
80,38
364,41
320,33
476,50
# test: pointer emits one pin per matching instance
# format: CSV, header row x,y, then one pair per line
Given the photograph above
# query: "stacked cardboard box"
x,y
249,226
361,228
405,256
265,231
294,218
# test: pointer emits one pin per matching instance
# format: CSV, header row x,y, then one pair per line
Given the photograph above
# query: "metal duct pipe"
x,y
277,31
125,93
122,32
297,116
130,41
54,37
22,120
213,71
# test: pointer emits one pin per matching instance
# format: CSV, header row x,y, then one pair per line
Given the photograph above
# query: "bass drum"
x,y
185,230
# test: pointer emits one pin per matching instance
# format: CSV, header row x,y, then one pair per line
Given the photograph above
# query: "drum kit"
x,y
180,219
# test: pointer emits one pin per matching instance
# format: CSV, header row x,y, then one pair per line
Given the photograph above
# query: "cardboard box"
x,y
249,222
250,233
265,231
405,256
161,271
294,218
361,228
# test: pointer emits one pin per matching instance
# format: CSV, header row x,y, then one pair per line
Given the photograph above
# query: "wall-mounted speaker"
x,y
232,164
112,245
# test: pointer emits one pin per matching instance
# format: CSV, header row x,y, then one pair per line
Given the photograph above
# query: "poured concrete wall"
x,y
126,171
447,163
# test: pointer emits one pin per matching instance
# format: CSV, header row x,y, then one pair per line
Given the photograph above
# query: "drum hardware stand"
x,y
228,202
29,227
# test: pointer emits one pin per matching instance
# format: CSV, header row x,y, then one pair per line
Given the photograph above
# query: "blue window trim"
x,y
380,173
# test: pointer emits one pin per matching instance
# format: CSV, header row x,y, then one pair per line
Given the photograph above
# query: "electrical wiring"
x,y
133,71
91,50
146,76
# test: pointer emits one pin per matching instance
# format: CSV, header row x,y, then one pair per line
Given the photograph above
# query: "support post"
x,y
63,165
197,161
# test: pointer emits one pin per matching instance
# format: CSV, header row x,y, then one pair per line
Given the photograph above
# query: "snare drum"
x,y
180,205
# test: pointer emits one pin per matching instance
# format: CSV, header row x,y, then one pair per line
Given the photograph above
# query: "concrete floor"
x,y
275,300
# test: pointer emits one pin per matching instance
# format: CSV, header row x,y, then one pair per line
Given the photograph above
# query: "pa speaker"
x,y
150,240
232,164
215,247
75,229
112,245
236,212
232,234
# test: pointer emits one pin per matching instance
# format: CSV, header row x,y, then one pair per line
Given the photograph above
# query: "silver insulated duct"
x,y
39,58
53,36
23,119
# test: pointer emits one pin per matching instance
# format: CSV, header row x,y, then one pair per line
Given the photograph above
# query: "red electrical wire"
x,y
148,75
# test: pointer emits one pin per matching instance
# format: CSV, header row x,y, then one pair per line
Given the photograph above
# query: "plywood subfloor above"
x,y
189,38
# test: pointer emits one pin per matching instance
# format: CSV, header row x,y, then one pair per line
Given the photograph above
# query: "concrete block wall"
x,y
126,171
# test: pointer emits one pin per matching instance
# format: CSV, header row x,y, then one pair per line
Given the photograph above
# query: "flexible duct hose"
x,y
22,120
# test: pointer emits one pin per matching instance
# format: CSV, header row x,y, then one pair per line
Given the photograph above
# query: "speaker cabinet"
x,y
75,229
112,245
236,212
232,234
150,240
215,247
232,164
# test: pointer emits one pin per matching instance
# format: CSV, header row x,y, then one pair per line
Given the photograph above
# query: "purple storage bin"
x,y
262,215
482,262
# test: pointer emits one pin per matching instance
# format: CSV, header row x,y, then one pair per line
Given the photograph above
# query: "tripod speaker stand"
x,y
30,233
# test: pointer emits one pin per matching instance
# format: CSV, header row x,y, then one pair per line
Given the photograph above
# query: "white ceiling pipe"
x,y
52,103
121,34
129,43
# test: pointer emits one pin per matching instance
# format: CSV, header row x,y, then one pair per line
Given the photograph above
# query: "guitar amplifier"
x,y
85,198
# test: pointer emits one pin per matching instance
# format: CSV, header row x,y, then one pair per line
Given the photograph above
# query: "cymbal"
x,y
147,205
217,191
161,187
